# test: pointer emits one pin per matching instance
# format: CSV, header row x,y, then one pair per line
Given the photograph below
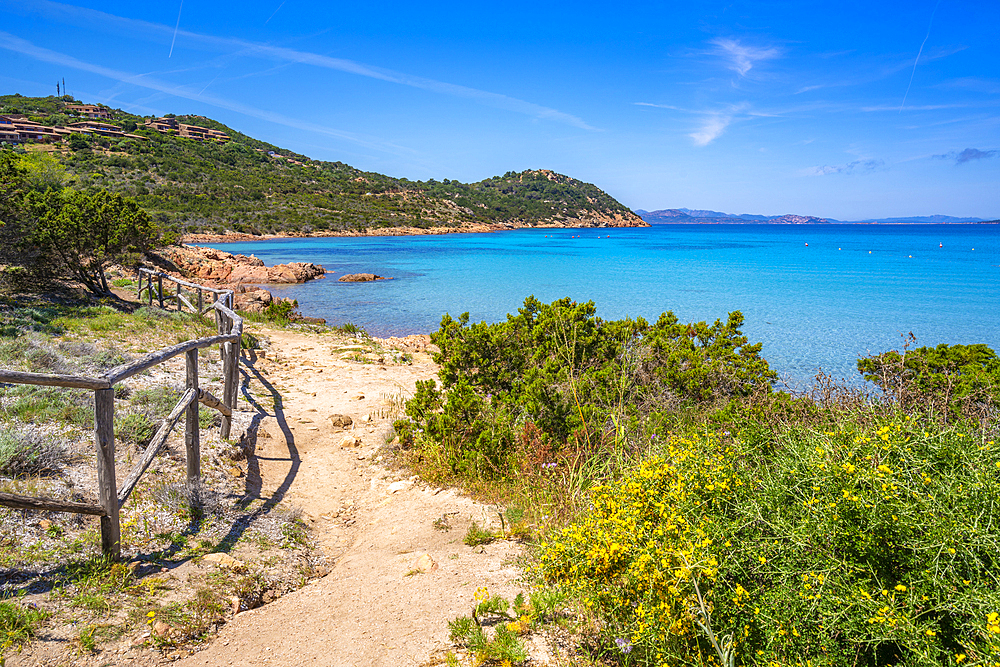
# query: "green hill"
x,y
247,185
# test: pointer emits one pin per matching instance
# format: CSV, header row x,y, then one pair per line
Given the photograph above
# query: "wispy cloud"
x,y
742,58
922,107
98,19
917,59
658,106
712,127
968,155
26,48
974,84
856,167
173,40
711,124
275,12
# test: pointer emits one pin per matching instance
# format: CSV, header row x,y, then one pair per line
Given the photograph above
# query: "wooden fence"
x,y
111,498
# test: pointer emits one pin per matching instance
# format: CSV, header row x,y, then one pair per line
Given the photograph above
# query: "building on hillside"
x,y
93,127
196,132
88,110
164,125
202,133
29,130
101,129
8,132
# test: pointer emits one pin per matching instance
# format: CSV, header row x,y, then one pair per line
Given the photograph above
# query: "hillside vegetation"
x,y
247,185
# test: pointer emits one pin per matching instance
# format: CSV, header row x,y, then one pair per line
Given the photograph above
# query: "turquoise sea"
x,y
818,297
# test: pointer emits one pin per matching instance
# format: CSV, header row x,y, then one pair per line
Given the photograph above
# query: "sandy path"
x,y
374,607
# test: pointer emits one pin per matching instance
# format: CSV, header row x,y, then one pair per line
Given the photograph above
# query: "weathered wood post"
x,y
201,302
180,303
138,291
159,289
192,437
104,436
224,351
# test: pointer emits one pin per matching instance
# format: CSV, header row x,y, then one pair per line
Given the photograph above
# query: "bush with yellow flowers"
x,y
863,545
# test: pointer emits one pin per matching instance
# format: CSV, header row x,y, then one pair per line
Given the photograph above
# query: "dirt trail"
x,y
376,606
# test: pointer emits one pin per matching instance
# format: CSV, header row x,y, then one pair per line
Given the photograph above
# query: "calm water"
x,y
817,296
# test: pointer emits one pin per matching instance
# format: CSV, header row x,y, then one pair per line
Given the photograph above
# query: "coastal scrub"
x,y
862,545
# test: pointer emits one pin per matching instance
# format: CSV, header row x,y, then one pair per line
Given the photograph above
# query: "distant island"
x,y
201,179
682,216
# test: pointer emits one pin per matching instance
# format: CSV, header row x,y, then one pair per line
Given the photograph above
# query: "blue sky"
x,y
848,110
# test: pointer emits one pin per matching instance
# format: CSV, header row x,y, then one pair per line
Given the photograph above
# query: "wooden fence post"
x,y
192,437
201,302
228,389
159,289
180,305
104,436
230,366
138,291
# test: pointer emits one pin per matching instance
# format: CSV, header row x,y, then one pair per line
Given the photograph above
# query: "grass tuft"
x,y
24,452
18,624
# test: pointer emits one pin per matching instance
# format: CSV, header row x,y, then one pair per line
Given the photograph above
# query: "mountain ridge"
x,y
679,216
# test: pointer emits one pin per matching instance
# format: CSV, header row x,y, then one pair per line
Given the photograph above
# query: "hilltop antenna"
x,y
64,86
57,89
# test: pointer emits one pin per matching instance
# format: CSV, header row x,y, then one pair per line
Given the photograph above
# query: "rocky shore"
x,y
241,273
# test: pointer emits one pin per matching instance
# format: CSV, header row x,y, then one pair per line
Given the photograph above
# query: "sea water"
x,y
818,296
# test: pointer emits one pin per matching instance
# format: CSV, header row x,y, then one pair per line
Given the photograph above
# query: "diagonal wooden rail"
x,y
111,499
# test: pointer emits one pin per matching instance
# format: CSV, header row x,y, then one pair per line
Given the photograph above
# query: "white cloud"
x,y
742,58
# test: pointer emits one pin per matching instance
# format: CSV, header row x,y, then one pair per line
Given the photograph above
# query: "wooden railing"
x,y
178,295
111,498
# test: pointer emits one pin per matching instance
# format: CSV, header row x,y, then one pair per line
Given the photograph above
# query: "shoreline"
x,y
237,237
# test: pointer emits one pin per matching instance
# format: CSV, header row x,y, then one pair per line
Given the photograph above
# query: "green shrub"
x,y
249,342
579,383
951,380
477,535
281,310
504,646
156,401
135,427
856,546
351,328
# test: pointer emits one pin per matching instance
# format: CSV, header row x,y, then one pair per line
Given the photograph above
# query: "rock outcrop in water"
x,y
361,278
242,274
209,265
